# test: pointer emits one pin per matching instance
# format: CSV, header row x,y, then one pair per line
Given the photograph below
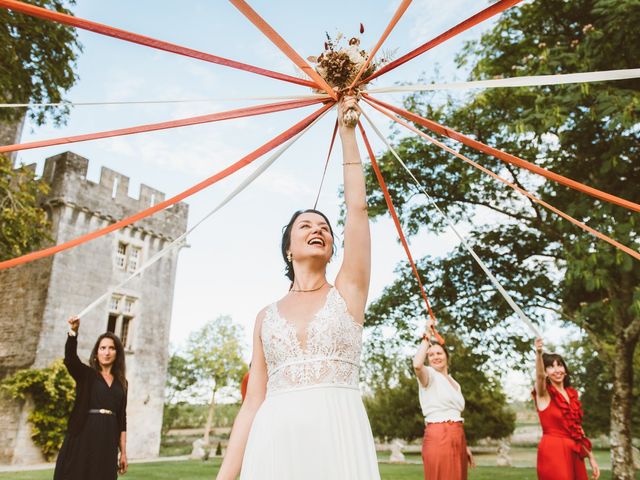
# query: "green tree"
x,y
52,391
214,353
180,379
594,378
24,223
38,60
586,132
394,409
37,64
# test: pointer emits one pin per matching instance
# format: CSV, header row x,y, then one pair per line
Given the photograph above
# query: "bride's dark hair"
x,y
286,238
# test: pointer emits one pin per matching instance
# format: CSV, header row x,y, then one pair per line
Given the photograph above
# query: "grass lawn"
x,y
197,470
524,457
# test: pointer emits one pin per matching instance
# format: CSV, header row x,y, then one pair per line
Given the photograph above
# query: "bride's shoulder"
x,y
264,313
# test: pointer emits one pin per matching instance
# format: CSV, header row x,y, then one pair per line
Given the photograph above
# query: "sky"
x,y
232,265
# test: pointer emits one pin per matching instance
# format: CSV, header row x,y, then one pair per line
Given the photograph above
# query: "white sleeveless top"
x,y
331,356
440,400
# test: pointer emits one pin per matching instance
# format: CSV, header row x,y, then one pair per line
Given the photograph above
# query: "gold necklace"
x,y
310,290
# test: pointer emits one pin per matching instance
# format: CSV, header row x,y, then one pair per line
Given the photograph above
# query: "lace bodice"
x,y
332,352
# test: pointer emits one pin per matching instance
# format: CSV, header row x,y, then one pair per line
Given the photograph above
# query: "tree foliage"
x,y
214,354
52,391
593,378
180,379
587,132
545,263
38,61
394,409
24,223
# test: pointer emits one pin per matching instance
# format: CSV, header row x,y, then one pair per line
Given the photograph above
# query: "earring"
x,y
289,257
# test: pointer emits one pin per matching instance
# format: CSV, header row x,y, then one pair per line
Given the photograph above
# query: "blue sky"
x,y
232,265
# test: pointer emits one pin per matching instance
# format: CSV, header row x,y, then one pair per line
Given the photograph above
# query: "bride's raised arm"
x,y
353,278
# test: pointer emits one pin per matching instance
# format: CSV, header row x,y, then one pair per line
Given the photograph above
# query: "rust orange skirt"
x,y
444,451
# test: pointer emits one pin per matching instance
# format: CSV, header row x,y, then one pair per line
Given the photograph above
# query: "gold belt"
x,y
102,411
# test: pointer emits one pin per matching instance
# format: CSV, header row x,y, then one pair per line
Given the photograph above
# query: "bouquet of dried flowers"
x,y
339,64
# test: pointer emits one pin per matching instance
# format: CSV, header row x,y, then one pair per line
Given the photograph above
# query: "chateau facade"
x,y
37,298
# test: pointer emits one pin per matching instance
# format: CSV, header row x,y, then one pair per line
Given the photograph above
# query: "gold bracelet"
x,y
352,163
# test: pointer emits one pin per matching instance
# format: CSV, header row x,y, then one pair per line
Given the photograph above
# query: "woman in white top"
x,y
445,455
303,416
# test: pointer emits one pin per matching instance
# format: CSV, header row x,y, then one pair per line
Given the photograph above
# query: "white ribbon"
x,y
529,81
179,240
148,102
468,247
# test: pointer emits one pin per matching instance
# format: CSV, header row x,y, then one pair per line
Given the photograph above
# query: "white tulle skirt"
x,y
316,433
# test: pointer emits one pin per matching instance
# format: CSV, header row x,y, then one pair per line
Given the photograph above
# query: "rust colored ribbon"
x,y
521,190
507,157
243,162
281,43
213,117
479,17
396,221
143,40
326,163
392,23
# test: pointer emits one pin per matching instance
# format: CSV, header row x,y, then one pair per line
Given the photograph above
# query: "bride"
x,y
303,416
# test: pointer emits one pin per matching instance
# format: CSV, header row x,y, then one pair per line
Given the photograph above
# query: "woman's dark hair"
x,y
119,369
286,238
549,359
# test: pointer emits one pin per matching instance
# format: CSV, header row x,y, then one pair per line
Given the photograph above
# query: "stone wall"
x,y
64,284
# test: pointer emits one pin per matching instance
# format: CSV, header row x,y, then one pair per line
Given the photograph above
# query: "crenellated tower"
x,y
37,298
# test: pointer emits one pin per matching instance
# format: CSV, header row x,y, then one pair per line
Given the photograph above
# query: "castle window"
x,y
128,257
128,304
124,335
114,304
111,324
122,311
121,255
134,258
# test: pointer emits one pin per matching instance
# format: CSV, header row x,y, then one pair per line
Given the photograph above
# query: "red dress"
x,y
563,446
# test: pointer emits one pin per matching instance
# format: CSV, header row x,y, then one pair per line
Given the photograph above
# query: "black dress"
x,y
92,452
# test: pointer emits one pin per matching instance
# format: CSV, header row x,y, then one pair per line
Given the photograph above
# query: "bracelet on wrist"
x,y
352,163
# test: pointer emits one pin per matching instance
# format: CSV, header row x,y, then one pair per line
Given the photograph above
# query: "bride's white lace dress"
x,y
312,424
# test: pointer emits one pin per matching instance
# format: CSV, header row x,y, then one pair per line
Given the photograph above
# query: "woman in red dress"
x,y
563,446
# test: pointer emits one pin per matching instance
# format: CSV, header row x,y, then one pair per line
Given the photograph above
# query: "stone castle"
x,y
37,298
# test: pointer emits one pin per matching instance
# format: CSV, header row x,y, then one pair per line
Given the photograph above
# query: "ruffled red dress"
x,y
563,446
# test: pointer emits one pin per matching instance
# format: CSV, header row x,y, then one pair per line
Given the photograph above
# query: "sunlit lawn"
x,y
520,457
197,470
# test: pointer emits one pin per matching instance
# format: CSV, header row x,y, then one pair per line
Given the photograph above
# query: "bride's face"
x,y
311,237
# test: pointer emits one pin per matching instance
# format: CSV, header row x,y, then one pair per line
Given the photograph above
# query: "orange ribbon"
x,y
281,43
479,17
392,23
566,216
213,117
396,221
243,162
507,157
326,163
143,40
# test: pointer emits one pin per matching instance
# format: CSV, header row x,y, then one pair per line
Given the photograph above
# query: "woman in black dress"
x,y
98,424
